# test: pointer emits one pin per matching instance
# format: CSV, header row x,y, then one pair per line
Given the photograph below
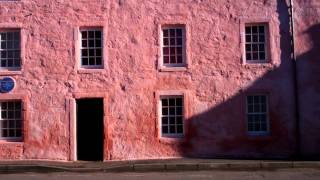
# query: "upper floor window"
x,y
10,58
257,114
172,116
173,46
91,48
256,43
10,119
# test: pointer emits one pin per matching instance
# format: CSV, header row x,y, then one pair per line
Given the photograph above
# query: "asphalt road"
x,y
283,174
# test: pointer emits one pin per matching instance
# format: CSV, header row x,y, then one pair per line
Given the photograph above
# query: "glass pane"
x,y
164,111
254,38
10,114
172,41
179,59
165,41
84,43
164,120
172,33
166,59
254,29
98,34
91,43
91,34
180,129
172,102
179,32
179,110
179,41
248,38
98,61
84,52
12,124
261,38
91,52
165,33
179,120
91,61
98,52
98,43
172,111
164,102
85,61
4,115
165,129
248,30
172,129
261,29
172,120
84,34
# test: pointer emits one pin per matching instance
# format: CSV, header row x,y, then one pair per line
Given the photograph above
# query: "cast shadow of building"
x,y
221,131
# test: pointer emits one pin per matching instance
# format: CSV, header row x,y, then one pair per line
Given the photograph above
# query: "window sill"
x,y
172,140
259,136
90,71
11,141
172,69
10,73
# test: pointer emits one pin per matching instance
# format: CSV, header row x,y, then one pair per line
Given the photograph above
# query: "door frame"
x,y
73,123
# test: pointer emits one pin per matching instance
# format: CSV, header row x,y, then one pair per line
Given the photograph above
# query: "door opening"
x,y
90,129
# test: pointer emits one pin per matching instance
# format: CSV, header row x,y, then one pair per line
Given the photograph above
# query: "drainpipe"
x,y
296,87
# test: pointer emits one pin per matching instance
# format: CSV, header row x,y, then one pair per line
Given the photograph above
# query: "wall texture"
x,y
215,83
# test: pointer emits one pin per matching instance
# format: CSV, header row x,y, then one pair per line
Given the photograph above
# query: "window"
x,y
10,50
172,116
173,46
257,114
91,48
255,43
11,120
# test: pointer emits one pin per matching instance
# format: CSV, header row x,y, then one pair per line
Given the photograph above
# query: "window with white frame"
x,y
257,114
173,46
172,116
10,50
255,43
11,119
91,48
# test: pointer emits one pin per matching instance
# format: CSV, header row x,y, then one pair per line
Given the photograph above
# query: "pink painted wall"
x,y
215,83
308,55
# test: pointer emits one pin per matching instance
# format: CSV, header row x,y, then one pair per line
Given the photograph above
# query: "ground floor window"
x,y
172,116
10,119
257,114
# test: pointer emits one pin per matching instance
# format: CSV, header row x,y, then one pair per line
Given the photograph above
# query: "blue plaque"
x,y
6,84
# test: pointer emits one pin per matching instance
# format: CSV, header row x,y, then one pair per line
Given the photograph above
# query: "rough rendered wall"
x,y
307,35
216,82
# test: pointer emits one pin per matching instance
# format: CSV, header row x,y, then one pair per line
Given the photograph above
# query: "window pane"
x,y
165,129
164,102
164,120
164,111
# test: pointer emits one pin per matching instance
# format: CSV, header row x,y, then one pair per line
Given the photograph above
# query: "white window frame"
x,y
184,58
21,119
102,48
258,113
14,68
172,135
266,43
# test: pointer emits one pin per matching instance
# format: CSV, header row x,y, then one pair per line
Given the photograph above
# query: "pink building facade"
x,y
150,79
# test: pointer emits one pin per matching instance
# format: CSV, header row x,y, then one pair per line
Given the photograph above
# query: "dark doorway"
x,y
90,129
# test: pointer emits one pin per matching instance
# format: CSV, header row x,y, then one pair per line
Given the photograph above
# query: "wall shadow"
x,y
221,131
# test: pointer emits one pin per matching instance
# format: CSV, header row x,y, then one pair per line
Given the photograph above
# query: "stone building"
x,y
151,79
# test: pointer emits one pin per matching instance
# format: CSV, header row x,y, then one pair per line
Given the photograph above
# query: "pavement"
x,y
167,165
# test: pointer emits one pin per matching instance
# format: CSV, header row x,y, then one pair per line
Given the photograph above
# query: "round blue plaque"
x,y
6,84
